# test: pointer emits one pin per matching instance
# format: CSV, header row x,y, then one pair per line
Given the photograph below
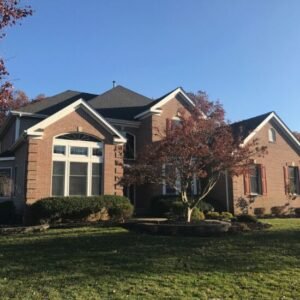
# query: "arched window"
x,y
272,135
77,165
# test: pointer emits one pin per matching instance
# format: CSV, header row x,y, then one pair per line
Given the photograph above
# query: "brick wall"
x,y
280,154
39,167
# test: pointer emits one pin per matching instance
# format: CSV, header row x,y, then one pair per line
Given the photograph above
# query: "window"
x,y
78,179
77,165
129,150
59,149
272,135
79,151
293,180
5,182
58,178
255,181
169,171
96,179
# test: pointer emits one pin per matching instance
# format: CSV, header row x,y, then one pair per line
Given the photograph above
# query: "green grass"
x,y
111,263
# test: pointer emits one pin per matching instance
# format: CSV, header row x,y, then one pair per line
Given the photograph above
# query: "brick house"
x,y
72,144
272,180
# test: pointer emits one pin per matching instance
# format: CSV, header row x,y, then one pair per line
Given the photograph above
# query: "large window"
x,y
293,180
5,182
77,166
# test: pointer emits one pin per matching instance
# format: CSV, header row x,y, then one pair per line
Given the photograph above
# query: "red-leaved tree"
x,y
10,13
196,148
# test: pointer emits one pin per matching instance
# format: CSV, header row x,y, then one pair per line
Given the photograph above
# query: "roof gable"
x,y
247,129
155,106
37,129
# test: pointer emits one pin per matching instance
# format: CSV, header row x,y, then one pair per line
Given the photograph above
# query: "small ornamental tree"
x,y
196,148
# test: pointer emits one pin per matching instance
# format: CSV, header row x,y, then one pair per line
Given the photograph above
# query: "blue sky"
x,y
244,53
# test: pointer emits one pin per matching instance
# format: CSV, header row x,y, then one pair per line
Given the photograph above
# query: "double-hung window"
x,y
293,180
77,167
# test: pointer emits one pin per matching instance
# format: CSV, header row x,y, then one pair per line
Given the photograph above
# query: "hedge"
x,y
63,209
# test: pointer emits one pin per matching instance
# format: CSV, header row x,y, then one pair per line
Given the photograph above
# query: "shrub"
x,y
246,219
7,212
226,216
172,206
56,209
197,215
277,210
259,211
212,215
297,212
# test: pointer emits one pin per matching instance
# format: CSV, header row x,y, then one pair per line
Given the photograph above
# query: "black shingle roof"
x,y
51,105
118,102
243,128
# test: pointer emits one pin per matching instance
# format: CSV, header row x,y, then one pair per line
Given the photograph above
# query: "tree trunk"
x,y
189,214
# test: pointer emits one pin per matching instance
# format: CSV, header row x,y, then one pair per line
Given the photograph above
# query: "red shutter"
x,y
263,179
247,182
286,179
168,125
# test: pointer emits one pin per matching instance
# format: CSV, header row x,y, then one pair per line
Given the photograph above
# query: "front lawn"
x,y
101,263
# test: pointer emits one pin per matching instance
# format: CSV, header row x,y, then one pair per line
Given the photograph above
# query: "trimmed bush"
x,y
212,215
197,215
226,216
7,212
63,209
172,206
246,219
259,211
277,210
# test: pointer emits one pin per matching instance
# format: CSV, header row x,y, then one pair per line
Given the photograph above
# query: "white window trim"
x,y
68,158
10,188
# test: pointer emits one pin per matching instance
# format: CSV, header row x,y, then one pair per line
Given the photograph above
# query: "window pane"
x,y
96,179
79,151
58,178
5,182
97,152
59,149
58,168
78,186
79,169
78,179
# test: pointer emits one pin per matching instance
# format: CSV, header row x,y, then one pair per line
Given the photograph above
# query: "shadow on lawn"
x,y
96,254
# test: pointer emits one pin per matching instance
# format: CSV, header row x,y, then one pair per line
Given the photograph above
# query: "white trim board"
x,y
264,122
37,129
156,108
